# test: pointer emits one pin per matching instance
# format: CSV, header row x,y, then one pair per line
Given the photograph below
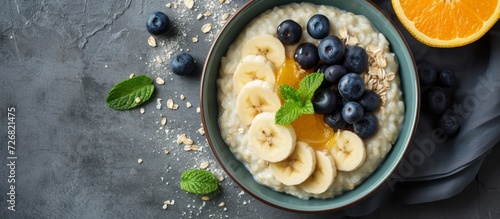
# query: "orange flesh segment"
x,y
308,128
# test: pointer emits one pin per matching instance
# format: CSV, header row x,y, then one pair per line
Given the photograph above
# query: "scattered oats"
x,y
201,131
167,202
175,4
199,17
352,41
225,16
152,41
159,60
225,209
195,147
381,73
168,5
182,97
142,110
131,75
175,106
137,100
204,165
187,147
391,76
170,103
163,121
206,28
221,178
188,141
188,105
166,151
205,198
194,39
139,161
189,4
198,110
222,204
241,130
160,80
343,33
381,61
221,1
181,138
207,13
165,207
172,202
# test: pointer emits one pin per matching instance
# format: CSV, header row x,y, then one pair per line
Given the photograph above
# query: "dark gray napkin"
x,y
437,166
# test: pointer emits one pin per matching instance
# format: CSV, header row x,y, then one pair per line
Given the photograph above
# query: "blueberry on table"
x,y
367,126
369,101
427,73
351,86
289,32
334,73
437,100
446,78
158,23
307,55
355,59
352,112
449,123
318,26
331,49
335,121
182,64
324,101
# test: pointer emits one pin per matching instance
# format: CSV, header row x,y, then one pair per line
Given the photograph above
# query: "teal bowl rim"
x,y
209,111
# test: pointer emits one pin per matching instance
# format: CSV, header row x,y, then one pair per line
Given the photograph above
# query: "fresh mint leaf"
x,y
289,93
130,93
199,181
298,102
309,84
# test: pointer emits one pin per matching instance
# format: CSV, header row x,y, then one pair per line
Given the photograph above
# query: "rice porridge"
x,y
240,124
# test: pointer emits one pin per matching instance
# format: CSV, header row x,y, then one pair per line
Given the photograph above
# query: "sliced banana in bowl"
x,y
349,153
296,168
253,67
256,97
265,45
323,176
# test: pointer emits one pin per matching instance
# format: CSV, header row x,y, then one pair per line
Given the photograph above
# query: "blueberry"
x,y
289,32
324,101
318,26
334,73
331,49
351,86
182,64
307,55
352,112
321,68
449,123
437,100
367,126
355,59
158,23
447,78
369,101
335,121
427,73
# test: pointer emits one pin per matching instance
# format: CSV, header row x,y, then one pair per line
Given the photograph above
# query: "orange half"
x,y
447,23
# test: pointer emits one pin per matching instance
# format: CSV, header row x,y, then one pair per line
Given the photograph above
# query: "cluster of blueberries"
x,y
342,97
157,24
436,98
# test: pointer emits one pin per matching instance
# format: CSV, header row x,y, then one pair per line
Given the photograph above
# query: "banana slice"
x,y
349,153
323,176
256,97
253,67
269,141
297,167
265,45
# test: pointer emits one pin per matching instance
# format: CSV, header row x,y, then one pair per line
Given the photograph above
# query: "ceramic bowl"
x,y
237,171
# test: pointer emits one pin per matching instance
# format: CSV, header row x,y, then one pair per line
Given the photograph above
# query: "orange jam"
x,y
308,128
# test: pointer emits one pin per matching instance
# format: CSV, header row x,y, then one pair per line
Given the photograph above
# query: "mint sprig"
x,y
199,181
130,93
298,102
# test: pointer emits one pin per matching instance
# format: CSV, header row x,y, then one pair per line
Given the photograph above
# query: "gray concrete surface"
x,y
77,158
